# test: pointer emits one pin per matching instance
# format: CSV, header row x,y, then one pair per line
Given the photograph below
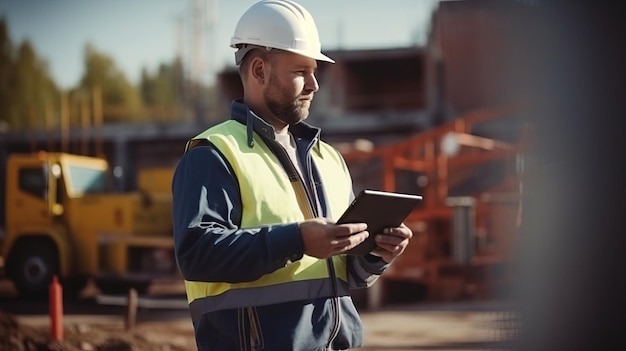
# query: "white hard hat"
x,y
279,24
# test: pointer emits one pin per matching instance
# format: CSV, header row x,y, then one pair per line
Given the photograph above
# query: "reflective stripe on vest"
x,y
268,197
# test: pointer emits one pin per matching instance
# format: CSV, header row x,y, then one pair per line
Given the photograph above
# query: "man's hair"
x,y
261,53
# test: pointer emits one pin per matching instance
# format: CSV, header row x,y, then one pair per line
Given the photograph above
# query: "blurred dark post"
x,y
85,124
65,122
572,291
48,122
463,224
463,215
98,119
32,128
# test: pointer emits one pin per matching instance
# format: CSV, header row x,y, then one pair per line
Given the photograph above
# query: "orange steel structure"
x,y
443,160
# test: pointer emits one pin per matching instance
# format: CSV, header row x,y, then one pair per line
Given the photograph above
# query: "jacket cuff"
x,y
373,264
287,242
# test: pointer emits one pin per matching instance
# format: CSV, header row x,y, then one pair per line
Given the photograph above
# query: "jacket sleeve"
x,y
208,241
363,271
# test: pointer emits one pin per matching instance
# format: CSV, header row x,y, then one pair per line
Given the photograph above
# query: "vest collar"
x,y
243,114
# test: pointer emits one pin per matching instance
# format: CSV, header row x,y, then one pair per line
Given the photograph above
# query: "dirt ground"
x,y
409,325
33,334
459,327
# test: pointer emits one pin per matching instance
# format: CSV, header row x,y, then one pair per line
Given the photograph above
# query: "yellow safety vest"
x,y
270,197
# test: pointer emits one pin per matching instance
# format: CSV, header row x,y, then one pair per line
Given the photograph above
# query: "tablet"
x,y
379,209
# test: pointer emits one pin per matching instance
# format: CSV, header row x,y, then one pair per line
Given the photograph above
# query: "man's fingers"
x,y
345,243
390,247
347,229
402,232
389,240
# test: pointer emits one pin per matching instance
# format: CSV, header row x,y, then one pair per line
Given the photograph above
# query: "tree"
x,y
34,89
27,91
6,63
162,92
121,100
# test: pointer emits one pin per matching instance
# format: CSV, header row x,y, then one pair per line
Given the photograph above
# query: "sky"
x,y
140,34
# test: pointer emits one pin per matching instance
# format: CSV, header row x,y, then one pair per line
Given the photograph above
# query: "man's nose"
x,y
310,83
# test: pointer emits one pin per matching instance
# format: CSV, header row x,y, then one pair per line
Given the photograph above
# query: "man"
x,y
254,202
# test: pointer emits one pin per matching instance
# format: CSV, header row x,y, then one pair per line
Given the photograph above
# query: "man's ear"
x,y
257,68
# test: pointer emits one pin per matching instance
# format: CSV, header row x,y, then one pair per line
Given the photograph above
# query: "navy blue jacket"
x,y
245,256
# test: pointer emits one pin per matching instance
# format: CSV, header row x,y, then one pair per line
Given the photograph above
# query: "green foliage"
x,y
33,86
163,92
27,92
6,63
29,97
120,99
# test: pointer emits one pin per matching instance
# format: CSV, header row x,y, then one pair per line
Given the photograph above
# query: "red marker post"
x,y
56,309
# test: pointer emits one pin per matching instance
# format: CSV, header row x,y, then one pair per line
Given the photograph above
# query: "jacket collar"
x,y
243,114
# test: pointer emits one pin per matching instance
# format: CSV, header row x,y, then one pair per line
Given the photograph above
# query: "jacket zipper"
x,y
292,173
335,303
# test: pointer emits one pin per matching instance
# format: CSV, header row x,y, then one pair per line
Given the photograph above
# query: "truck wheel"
x,y
33,269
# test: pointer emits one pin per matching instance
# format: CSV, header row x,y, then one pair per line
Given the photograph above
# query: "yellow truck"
x,y
61,217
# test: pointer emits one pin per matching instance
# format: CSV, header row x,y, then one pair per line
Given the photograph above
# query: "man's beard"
x,y
282,104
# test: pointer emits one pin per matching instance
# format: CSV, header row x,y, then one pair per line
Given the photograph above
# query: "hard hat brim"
x,y
242,50
322,57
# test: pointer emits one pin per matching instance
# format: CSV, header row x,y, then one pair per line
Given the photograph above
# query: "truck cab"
x,y
63,218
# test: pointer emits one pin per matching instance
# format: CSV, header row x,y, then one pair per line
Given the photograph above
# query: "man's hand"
x,y
323,239
392,242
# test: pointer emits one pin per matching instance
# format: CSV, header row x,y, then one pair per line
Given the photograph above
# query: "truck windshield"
x,y
86,180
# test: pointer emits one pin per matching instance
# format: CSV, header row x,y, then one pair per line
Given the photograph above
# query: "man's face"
x,y
290,88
